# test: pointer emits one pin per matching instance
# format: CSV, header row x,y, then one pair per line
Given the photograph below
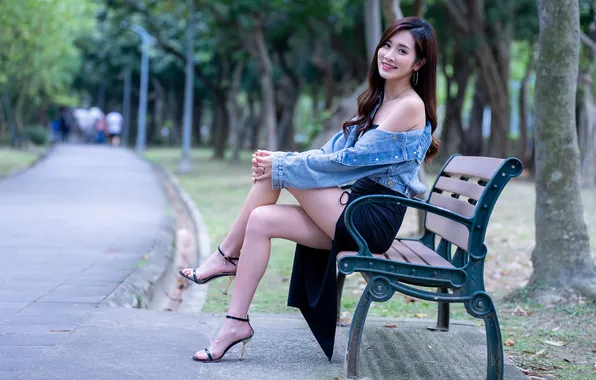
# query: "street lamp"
x,y
185,161
147,40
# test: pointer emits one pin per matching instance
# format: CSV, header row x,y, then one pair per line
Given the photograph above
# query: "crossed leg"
x,y
311,224
260,194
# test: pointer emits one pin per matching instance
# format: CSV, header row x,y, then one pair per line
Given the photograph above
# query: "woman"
x,y
382,148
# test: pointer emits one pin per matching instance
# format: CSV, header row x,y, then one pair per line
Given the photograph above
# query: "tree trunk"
x,y
492,61
525,150
197,121
235,111
221,126
587,132
391,12
561,258
158,111
258,51
473,134
372,26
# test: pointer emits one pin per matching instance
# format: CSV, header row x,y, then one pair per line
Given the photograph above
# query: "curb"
x,y
42,156
136,290
193,297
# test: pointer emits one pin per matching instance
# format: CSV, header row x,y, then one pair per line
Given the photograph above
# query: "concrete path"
x,y
71,229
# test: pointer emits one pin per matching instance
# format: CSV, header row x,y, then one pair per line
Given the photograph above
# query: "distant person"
x,y
64,127
100,128
114,121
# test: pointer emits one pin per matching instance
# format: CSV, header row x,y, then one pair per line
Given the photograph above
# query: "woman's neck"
x,y
395,88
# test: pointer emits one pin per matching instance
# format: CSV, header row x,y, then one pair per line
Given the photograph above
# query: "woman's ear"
x,y
419,64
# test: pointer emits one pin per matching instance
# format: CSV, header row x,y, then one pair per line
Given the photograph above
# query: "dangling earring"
x,y
415,78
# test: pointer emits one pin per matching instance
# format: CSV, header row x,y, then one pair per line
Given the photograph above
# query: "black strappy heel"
x,y
214,276
244,342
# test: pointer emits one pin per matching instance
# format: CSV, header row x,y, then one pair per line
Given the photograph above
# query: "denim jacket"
x,y
389,158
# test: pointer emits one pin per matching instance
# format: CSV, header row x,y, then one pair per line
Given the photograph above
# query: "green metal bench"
x,y
457,214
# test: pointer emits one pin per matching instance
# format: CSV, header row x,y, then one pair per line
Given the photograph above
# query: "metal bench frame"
x,y
464,282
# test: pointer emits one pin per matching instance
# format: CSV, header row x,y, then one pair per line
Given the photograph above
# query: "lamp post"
x,y
185,161
126,105
141,130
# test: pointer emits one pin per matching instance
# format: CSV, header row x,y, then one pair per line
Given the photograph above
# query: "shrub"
x,y
36,134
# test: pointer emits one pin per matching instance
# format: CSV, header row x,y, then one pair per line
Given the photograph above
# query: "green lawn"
x,y
218,189
12,160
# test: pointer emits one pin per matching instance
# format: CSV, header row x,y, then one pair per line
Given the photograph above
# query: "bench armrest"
x,y
364,250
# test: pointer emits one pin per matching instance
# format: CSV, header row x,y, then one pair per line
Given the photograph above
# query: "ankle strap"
x,y
228,259
238,319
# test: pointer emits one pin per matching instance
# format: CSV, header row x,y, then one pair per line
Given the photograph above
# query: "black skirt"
x,y
313,287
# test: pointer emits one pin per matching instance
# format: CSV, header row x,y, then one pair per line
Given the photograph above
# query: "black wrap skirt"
x,y
313,287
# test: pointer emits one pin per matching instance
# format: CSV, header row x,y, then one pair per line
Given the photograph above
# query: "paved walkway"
x,y
71,229
76,225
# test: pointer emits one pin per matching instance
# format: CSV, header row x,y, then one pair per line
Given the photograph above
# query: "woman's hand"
x,y
262,163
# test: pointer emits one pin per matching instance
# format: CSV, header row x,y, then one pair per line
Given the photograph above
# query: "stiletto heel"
x,y
244,342
214,276
225,292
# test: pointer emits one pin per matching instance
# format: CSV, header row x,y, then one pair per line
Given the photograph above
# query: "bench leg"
x,y
341,278
494,347
355,335
442,314
482,306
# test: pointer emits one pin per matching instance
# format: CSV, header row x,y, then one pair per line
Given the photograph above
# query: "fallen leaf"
x,y
541,352
553,343
345,321
509,342
59,330
390,325
520,312
420,315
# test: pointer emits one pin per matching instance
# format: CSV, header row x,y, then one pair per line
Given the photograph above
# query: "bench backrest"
x,y
469,186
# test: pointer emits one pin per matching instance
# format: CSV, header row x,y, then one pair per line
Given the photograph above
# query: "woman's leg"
x,y
260,194
312,226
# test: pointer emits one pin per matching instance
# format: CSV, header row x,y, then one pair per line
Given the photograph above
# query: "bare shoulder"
x,y
406,115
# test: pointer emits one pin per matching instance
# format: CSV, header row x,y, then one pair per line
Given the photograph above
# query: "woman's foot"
x,y
217,264
234,331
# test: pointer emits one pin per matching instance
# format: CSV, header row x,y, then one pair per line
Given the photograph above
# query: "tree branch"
x,y
588,41
458,13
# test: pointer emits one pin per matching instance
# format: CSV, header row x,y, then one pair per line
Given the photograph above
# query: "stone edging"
x,y
136,290
194,297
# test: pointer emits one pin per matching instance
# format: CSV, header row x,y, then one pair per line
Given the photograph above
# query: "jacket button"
x,y
390,183
394,137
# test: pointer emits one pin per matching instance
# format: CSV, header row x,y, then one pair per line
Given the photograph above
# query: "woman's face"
x,y
396,58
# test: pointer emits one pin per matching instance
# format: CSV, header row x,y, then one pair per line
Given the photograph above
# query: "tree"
x,y
561,258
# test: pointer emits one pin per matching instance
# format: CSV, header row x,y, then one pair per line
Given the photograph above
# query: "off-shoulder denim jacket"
x,y
389,158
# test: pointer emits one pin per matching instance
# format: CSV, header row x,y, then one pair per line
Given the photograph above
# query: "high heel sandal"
x,y
244,342
216,275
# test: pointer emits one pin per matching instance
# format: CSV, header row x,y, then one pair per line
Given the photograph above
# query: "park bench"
x,y
457,214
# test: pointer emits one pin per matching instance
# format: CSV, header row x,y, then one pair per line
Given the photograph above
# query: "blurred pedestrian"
x,y
114,122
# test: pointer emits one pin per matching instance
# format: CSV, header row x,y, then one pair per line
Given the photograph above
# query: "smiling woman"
x,y
381,149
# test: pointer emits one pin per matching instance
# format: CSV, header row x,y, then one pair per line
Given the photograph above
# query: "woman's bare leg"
x,y
275,221
261,193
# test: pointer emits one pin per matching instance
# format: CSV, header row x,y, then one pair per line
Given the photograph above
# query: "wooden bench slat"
x,y
400,252
406,251
468,189
469,166
451,231
433,258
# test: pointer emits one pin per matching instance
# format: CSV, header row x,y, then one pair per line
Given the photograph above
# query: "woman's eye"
x,y
402,51
386,44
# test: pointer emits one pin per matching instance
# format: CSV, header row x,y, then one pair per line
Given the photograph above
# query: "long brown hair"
x,y
425,87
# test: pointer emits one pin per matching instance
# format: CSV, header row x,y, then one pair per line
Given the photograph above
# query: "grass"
x,y
218,189
12,160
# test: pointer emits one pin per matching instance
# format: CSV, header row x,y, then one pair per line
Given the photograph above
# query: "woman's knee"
x,y
260,221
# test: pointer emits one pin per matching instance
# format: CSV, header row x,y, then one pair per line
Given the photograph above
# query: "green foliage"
x,y
37,134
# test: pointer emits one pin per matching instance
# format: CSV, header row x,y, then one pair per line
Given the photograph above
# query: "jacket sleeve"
x,y
310,171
